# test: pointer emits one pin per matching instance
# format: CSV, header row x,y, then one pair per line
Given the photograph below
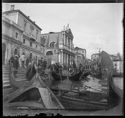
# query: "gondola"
x,y
57,76
23,96
72,99
89,100
75,77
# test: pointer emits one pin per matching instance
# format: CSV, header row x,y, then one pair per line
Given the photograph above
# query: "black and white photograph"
x,y
62,58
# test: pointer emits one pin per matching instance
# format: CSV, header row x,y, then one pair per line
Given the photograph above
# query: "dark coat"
x,y
30,72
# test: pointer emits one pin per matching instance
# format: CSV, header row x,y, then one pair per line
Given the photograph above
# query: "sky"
x,y
94,25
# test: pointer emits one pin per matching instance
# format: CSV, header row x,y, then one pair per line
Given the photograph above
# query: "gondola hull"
x,y
58,77
75,77
78,104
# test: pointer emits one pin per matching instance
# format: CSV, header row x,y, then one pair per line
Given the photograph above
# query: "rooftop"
x,y
67,31
27,17
76,48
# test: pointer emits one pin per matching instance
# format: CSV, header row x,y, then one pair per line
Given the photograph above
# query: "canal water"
x,y
90,84
118,81
97,85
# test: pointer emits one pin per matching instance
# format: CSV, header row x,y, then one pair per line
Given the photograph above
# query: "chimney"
x,y
12,7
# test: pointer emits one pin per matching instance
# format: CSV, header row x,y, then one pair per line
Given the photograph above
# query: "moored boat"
x,y
57,76
89,100
75,77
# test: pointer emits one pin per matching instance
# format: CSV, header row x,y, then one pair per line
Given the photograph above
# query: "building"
x,y
117,63
20,34
116,59
80,55
95,56
59,47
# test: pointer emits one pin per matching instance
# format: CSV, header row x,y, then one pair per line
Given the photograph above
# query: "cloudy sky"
x,y
94,26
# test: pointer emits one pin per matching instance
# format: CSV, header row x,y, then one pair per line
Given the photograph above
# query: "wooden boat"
x,y
75,77
85,74
68,99
34,94
88,100
57,76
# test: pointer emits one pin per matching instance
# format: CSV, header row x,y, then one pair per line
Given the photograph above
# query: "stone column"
x,y
67,40
64,39
62,57
59,58
67,59
70,60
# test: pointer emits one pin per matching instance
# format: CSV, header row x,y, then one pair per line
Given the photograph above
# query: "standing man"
x,y
22,59
27,61
11,61
16,64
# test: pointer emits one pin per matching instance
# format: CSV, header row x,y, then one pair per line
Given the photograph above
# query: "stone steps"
x,y
5,76
21,75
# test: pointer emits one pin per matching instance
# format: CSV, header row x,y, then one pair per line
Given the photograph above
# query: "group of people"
x,y
17,61
58,68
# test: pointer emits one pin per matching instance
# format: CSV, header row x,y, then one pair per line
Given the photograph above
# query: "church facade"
x,y
59,47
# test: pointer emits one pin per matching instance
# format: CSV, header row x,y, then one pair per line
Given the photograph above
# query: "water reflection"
x,y
94,85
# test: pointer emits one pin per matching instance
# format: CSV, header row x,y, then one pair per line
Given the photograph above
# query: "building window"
x,y
24,41
31,28
25,23
52,44
16,35
36,34
30,44
43,40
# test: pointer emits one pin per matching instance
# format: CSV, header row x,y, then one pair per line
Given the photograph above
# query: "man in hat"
x,y
22,59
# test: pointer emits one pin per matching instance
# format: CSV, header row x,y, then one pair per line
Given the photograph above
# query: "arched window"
x,y
52,44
